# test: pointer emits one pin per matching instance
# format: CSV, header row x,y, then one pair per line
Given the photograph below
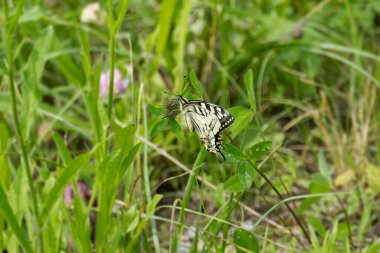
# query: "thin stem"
x,y
112,65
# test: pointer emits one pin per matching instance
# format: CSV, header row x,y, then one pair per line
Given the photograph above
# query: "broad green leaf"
x,y
5,172
219,196
232,153
366,219
129,159
7,213
318,184
317,224
176,129
249,86
12,21
243,117
259,150
246,174
5,178
156,128
85,53
63,180
124,138
323,167
246,241
121,11
151,207
32,75
233,184
195,83
4,138
374,247
64,152
156,110
131,219
50,237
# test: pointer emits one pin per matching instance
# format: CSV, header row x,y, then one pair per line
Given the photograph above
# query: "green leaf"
x,y
233,184
317,224
63,151
7,213
151,207
259,150
156,110
129,159
32,75
246,241
121,11
131,219
318,184
243,117
246,174
195,83
63,180
158,40
232,153
156,128
176,129
4,138
374,247
124,138
219,196
323,167
12,22
249,86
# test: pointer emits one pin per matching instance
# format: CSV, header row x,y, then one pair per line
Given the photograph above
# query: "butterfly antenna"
x,y
170,93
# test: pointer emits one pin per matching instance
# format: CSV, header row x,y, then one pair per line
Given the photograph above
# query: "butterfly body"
x,y
208,120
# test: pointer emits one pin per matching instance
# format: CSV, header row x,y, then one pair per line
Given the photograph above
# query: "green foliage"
x,y
257,151
9,216
245,241
80,171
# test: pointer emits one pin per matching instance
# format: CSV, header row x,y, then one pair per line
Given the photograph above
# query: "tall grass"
x,y
85,172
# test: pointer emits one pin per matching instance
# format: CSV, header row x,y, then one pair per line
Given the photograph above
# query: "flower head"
x,y
119,84
92,13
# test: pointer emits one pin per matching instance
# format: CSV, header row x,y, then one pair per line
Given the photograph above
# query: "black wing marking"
x,y
209,121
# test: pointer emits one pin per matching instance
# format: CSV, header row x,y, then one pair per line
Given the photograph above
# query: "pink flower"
x,y
83,191
119,84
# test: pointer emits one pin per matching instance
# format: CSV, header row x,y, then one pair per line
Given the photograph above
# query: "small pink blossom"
x,y
83,191
119,84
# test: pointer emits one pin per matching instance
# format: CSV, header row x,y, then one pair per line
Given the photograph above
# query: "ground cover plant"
x,y
83,169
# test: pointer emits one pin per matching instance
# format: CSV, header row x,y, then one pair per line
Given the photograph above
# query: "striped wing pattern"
x,y
208,120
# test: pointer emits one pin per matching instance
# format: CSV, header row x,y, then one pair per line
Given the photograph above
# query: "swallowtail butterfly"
x,y
208,120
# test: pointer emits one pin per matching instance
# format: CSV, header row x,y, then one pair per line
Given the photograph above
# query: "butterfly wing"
x,y
208,120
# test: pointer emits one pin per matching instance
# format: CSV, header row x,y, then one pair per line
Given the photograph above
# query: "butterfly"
x,y
208,120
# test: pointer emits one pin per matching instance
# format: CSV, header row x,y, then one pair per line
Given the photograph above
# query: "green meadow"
x,y
92,158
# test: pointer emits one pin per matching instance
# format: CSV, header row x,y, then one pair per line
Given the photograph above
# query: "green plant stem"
x,y
112,65
281,197
148,191
186,200
16,121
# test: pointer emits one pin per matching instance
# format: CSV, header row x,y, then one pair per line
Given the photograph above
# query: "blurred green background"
x,y
86,170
